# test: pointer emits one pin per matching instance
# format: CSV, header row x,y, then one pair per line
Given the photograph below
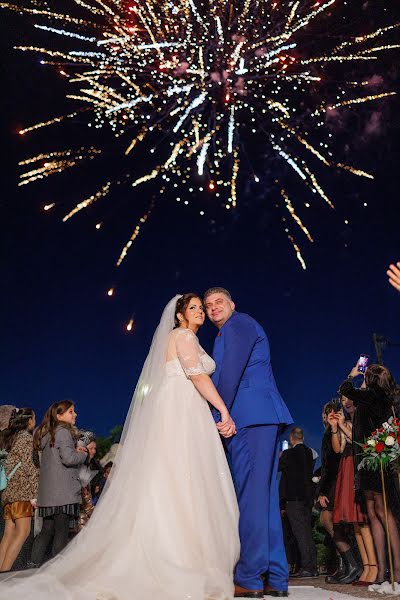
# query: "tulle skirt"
x,y
166,526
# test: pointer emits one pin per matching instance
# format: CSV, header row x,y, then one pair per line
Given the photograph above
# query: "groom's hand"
x,y
226,426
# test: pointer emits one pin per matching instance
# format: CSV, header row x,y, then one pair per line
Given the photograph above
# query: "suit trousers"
x,y
253,455
299,515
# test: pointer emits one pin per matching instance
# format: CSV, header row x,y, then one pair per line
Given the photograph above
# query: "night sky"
x,y
63,337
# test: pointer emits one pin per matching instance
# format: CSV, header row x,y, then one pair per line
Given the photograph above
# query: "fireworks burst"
x,y
201,85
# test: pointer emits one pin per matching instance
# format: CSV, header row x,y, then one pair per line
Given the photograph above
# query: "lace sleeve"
x,y
189,352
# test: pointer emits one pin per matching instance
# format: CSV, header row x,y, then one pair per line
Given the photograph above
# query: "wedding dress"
x,y
166,525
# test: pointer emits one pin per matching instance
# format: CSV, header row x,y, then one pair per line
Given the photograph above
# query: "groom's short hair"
x,y
216,290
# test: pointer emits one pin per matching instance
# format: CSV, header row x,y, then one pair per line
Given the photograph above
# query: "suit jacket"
x,y
59,470
243,376
296,465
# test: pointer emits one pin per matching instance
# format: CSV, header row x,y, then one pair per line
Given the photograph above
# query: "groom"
x,y
245,381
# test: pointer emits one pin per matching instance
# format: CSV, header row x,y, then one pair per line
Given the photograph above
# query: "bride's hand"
x,y
226,426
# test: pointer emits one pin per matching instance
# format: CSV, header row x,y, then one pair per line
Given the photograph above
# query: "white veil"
x,y
88,559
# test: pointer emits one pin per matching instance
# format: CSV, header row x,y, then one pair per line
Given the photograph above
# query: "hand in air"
x,y
340,418
333,420
394,275
226,425
355,372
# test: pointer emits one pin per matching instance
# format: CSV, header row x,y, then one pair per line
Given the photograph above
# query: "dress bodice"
x,y
206,365
185,355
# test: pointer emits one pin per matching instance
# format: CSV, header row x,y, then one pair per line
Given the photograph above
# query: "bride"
x,y
166,525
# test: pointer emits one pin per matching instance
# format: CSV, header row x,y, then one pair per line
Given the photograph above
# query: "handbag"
x,y
4,479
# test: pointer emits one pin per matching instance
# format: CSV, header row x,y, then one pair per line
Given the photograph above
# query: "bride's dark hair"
x,y
182,305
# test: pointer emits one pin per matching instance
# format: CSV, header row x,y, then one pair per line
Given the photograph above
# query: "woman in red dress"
x,y
347,509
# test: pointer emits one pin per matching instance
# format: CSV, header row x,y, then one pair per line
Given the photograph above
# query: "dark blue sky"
x,y
62,337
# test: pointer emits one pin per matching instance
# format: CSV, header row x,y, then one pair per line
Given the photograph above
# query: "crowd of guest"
x,y
50,482
349,499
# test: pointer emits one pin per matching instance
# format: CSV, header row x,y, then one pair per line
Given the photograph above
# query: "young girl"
x,y
59,488
19,496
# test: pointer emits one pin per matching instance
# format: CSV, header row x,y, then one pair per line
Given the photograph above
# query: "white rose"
x,y
386,425
371,443
390,440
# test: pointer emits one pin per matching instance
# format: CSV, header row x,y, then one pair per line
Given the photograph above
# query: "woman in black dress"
x,y
326,492
374,402
329,470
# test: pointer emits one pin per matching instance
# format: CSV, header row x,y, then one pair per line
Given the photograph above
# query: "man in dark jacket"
x,y
296,465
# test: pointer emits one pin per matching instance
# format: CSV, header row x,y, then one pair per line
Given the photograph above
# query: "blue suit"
x,y
245,381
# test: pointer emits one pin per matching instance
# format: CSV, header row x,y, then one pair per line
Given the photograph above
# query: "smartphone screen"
x,y
363,363
285,445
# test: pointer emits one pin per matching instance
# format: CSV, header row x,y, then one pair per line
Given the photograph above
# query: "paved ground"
x,y
307,592
318,589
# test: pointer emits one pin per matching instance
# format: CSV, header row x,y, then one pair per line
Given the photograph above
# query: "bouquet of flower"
x,y
380,450
382,447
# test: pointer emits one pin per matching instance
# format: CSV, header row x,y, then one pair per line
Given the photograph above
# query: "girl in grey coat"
x,y
59,494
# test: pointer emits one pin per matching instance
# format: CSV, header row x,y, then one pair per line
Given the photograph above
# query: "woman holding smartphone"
x,y
374,403
347,506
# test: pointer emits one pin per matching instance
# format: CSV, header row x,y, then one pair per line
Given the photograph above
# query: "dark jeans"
x,y
56,528
299,516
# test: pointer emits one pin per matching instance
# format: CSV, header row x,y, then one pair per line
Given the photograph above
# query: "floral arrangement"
x,y
382,447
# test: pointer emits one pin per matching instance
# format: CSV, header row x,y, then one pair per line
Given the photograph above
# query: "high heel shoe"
x,y
366,583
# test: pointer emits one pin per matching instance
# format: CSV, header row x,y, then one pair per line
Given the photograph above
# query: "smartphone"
x,y
285,445
363,363
337,405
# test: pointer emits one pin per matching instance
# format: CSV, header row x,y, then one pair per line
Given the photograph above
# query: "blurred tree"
x,y
104,443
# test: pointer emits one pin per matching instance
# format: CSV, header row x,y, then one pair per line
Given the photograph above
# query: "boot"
x,y
353,568
340,571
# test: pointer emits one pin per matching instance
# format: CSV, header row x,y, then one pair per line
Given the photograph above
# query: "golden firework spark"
x,y
179,82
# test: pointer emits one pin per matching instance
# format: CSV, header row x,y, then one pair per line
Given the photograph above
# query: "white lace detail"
x,y
184,346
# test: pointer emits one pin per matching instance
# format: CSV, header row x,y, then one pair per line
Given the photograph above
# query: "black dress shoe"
x,y
276,594
303,574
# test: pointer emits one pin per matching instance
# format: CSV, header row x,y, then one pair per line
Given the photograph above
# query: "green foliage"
x,y
319,537
322,555
104,443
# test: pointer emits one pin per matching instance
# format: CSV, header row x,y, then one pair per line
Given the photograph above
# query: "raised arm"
x,y
335,434
189,354
358,396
